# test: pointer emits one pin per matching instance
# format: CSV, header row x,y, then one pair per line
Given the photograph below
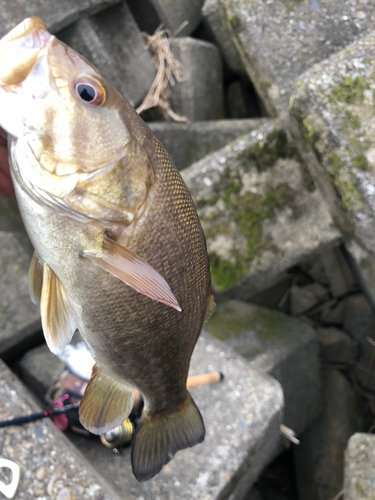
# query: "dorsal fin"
x,y
132,270
60,314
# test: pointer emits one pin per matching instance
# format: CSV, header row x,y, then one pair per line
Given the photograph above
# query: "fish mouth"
x,y
19,50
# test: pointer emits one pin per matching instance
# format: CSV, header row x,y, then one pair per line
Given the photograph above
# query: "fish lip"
x,y
20,50
30,33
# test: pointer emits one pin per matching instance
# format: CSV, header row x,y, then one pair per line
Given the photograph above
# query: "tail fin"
x,y
159,437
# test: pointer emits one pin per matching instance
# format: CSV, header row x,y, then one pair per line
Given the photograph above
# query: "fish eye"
x,y
90,91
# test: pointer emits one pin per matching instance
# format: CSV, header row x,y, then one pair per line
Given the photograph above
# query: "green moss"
x,y
234,21
264,154
248,211
361,162
343,182
232,318
351,121
351,90
226,274
311,130
360,489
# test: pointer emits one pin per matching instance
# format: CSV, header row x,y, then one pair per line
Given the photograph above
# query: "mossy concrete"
x,y
359,471
259,208
277,41
277,344
332,113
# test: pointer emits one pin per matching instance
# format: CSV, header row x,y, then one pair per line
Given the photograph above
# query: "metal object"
x,y
119,436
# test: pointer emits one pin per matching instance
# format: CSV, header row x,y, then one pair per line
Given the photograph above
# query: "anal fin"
x,y
106,403
35,278
60,314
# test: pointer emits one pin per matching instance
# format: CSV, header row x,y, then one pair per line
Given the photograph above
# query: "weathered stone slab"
x,y
112,42
359,322
50,466
333,107
319,459
335,346
187,143
55,14
279,345
242,415
178,16
199,95
213,14
19,317
278,41
359,481
39,368
259,208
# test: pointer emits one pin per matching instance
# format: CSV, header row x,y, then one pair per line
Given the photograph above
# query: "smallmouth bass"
x,y
119,250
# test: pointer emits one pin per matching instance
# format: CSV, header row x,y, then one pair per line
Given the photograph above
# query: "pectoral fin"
x,y
132,270
35,279
210,308
60,314
106,402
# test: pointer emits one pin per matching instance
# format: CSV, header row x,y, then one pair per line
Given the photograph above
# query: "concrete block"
x,y
19,318
187,143
359,322
359,473
256,224
50,465
54,13
112,42
332,312
332,106
199,95
277,41
214,19
335,346
301,300
319,459
178,16
39,369
242,415
279,345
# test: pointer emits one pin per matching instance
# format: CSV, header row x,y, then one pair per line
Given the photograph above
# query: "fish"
x,y
119,250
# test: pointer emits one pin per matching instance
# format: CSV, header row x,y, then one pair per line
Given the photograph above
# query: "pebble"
x,y
65,494
41,473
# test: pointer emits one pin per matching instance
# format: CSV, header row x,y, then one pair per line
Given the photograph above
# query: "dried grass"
x,y
168,71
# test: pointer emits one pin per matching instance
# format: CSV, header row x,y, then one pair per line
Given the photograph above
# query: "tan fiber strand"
x,y
168,71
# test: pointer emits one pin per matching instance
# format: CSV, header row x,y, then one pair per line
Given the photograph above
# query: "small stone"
x,y
199,95
336,346
319,459
332,312
340,276
65,494
187,143
41,473
360,467
301,300
112,42
315,269
321,292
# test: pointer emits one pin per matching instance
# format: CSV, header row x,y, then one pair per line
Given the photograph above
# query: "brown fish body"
x,y
88,225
